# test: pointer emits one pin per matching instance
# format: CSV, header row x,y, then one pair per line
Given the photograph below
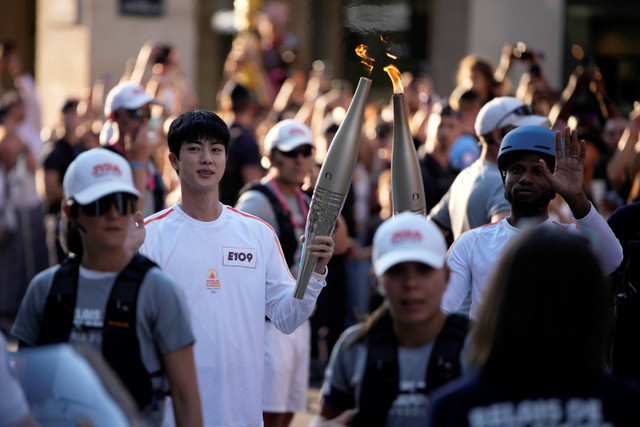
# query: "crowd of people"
x,y
520,280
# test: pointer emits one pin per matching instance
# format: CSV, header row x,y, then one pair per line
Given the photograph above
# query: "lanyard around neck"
x,y
304,209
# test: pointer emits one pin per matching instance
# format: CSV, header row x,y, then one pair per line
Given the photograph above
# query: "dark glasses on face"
x,y
523,110
140,113
125,203
305,150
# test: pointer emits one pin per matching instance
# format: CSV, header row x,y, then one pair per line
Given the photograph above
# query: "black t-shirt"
x,y
242,151
436,179
57,156
475,400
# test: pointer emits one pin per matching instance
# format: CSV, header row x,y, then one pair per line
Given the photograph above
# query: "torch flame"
x,y
394,73
361,51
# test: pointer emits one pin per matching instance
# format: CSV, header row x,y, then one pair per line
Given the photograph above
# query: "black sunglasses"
x,y
125,203
140,113
305,150
523,110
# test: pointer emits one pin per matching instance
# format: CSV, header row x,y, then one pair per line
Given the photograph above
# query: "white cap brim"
x,y
293,143
527,121
99,190
392,258
138,101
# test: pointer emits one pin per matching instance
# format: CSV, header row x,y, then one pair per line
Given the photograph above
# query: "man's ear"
x,y
173,159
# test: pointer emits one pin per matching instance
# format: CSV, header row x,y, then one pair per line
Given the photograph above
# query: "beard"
x,y
532,207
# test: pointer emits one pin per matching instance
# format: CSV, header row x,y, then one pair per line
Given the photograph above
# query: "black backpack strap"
x,y
120,344
380,382
60,304
287,236
444,364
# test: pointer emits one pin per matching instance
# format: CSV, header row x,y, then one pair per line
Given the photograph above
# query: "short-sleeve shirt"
x,y
475,196
162,323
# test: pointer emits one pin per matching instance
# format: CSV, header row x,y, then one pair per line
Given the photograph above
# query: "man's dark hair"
x,y
70,238
194,126
241,98
447,111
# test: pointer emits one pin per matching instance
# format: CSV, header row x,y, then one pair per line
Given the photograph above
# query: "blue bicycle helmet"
x,y
538,139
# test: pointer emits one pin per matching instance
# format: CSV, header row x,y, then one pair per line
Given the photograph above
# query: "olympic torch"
x,y
333,182
407,187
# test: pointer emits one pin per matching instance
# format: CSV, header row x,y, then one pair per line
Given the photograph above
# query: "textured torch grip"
x,y
323,213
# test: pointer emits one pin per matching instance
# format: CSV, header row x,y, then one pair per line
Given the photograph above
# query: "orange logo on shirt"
x,y
212,282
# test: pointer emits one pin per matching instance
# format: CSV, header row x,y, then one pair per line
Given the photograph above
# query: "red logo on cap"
x,y
406,235
105,169
296,131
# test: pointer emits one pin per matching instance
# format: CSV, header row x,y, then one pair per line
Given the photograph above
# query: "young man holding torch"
x,y
232,269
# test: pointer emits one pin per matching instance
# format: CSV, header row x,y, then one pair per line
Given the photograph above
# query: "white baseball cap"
x,y
287,135
126,95
506,111
407,237
96,173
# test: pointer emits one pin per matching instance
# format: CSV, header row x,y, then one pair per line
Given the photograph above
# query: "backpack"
x,y
120,345
287,236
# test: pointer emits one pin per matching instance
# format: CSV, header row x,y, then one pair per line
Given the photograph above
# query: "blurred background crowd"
x,y
265,76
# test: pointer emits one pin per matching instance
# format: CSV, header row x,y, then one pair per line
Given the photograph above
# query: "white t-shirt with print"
x,y
233,273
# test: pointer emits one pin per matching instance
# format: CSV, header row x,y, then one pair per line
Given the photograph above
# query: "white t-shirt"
x,y
233,273
473,256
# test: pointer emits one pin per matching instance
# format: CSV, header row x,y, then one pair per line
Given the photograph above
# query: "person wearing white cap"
x,y
232,269
476,196
386,366
127,132
279,200
121,304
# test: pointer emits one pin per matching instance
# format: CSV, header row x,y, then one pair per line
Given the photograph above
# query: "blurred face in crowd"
x,y
480,84
291,168
469,110
131,120
414,291
449,129
613,130
71,120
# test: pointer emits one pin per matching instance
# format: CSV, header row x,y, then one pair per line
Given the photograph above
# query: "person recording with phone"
x,y
127,132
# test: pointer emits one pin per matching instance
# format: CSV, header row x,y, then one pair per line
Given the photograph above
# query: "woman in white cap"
x,y
386,366
121,304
